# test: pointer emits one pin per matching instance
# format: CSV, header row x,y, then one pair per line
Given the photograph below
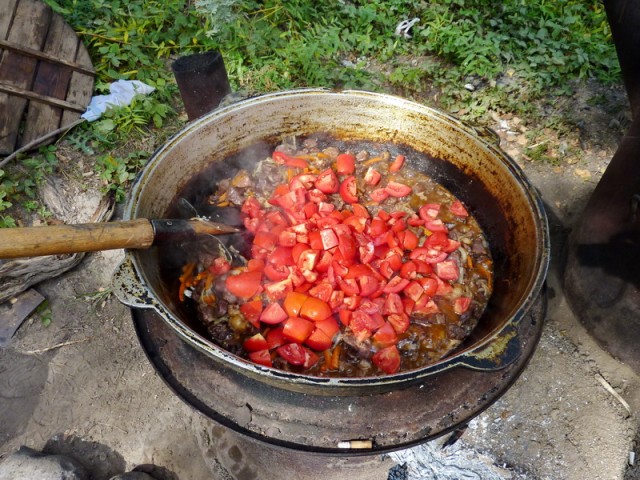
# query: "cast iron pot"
x,y
464,159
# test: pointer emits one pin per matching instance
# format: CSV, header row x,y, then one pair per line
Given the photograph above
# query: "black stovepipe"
x,y
203,82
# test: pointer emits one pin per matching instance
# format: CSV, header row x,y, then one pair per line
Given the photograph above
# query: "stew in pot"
x,y
359,265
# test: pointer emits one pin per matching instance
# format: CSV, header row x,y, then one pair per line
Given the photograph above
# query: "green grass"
x,y
513,52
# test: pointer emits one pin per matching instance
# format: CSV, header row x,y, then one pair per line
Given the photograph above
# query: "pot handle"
x,y
128,287
497,354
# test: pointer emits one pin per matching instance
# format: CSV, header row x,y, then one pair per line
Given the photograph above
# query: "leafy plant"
x,y
117,172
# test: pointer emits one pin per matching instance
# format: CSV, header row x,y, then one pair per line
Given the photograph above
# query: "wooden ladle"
x,y
91,237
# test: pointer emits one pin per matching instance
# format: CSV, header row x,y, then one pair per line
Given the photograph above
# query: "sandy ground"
x,y
83,385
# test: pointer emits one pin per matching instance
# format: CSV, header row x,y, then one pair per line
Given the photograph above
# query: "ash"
x,y
435,461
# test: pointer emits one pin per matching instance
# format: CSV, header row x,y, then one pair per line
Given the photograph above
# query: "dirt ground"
x,y
83,386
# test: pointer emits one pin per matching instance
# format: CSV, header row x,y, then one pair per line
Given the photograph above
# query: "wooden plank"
x,y
52,80
47,57
6,14
80,87
29,27
28,94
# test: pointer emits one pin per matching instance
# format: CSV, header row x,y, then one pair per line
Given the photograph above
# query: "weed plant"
x,y
478,55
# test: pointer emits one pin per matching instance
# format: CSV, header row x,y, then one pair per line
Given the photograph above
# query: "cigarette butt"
x,y
360,444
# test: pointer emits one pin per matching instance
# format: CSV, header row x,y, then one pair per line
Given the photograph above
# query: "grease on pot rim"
x,y
358,265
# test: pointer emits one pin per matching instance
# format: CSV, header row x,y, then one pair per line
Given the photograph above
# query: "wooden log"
x,y
80,86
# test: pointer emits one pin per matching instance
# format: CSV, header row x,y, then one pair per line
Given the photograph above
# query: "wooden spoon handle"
x,y
63,239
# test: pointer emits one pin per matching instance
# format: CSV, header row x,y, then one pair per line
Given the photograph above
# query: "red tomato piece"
x,y
461,305
352,302
276,272
397,163
379,195
273,314
315,309
385,336
324,262
220,266
293,353
372,177
429,211
319,340
345,317
255,343
279,289
337,299
436,225
345,164
304,180
429,285
308,259
437,240
244,285
322,291
293,303
327,182
275,338
315,241
368,285
399,321
359,325
287,238
255,265
348,190
387,359
360,211
261,357
329,326
251,207
297,329
397,189
281,256
414,291
284,159
447,270
251,312
328,238
457,208
349,286
415,221
409,240
395,285
392,304
409,270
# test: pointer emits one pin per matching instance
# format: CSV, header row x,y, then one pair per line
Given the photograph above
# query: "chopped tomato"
x,y
395,285
372,177
327,182
261,357
297,329
457,208
349,190
293,353
220,266
387,359
273,314
288,160
385,336
329,326
245,284
398,190
429,211
461,305
379,195
251,312
319,340
397,163
293,303
275,338
399,321
345,164
447,270
255,343
315,309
